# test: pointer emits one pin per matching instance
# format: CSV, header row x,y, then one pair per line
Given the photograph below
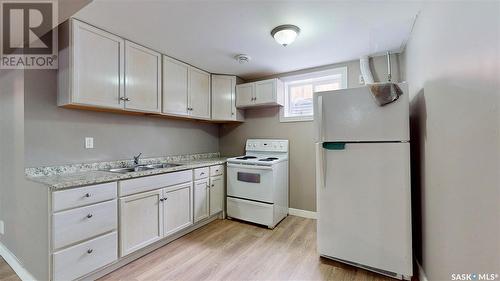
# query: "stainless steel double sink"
x,y
140,168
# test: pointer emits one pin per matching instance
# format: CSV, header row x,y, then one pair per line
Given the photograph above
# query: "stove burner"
x,y
246,157
268,159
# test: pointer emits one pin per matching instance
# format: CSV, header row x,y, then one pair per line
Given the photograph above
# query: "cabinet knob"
x,y
89,216
124,99
202,173
213,185
87,195
89,251
161,199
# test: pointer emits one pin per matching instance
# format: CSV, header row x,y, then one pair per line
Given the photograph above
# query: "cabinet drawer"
x,y
201,173
86,257
82,223
128,187
71,198
216,170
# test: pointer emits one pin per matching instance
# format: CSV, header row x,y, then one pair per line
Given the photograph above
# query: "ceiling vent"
x,y
242,59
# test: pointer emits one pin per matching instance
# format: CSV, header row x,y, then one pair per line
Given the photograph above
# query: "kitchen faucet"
x,y
136,159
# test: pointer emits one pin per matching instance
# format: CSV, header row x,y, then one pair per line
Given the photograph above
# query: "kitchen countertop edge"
x,y
79,179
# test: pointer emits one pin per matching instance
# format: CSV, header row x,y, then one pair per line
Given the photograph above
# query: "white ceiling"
x,y
208,34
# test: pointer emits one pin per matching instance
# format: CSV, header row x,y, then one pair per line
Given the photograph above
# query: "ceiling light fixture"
x,y
285,34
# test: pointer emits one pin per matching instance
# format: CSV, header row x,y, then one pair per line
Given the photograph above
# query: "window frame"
x,y
289,81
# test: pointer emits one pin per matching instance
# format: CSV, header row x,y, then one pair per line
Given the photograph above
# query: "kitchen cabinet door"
x,y
201,199
98,60
245,94
141,220
265,91
223,97
199,93
175,87
177,208
142,78
216,194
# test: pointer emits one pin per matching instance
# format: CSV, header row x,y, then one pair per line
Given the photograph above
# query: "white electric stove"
x,y
257,183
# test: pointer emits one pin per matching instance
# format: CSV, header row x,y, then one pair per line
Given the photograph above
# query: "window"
x,y
299,91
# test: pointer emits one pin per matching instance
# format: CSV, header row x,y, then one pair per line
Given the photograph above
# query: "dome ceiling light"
x,y
285,34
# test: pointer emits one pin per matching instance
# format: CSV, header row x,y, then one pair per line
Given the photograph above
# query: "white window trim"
x,y
332,71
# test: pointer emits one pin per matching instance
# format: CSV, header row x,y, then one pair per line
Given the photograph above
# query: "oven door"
x,y
250,182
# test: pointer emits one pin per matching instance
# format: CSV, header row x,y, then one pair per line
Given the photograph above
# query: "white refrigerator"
x,y
363,180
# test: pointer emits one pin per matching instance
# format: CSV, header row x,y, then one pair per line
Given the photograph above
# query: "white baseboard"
x,y
302,213
12,260
421,273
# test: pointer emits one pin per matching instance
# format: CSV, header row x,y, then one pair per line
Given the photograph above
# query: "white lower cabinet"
x,y
141,220
94,228
177,208
201,199
149,216
84,234
86,257
216,194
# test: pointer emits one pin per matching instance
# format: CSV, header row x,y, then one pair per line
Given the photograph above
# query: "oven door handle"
x,y
252,167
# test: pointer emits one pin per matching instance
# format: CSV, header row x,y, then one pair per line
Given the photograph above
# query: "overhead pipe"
x,y
364,65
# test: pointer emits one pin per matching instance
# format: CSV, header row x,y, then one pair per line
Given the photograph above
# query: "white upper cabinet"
x,y
199,93
186,90
261,93
91,66
224,99
245,95
175,87
142,78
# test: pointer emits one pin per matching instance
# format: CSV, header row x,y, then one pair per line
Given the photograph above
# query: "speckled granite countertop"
x,y
75,178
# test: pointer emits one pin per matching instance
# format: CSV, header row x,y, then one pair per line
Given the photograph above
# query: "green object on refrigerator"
x,y
334,145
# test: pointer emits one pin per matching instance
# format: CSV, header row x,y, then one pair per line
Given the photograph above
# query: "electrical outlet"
x,y
2,228
361,80
89,142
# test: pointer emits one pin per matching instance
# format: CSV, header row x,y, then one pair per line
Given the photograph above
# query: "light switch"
x,y
89,142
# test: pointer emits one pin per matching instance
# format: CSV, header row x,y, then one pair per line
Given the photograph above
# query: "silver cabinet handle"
x,y
89,216
202,173
87,195
89,251
124,99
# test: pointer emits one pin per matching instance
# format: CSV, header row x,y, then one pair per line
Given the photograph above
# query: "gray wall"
x,y
452,67
20,200
55,135
264,123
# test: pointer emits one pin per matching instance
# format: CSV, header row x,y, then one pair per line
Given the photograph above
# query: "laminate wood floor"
x,y
6,272
233,250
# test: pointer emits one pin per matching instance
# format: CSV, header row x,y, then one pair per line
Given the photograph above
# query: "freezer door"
x,y
352,115
363,195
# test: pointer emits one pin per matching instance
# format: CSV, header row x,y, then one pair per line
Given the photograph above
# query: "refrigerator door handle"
x,y
319,122
320,166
